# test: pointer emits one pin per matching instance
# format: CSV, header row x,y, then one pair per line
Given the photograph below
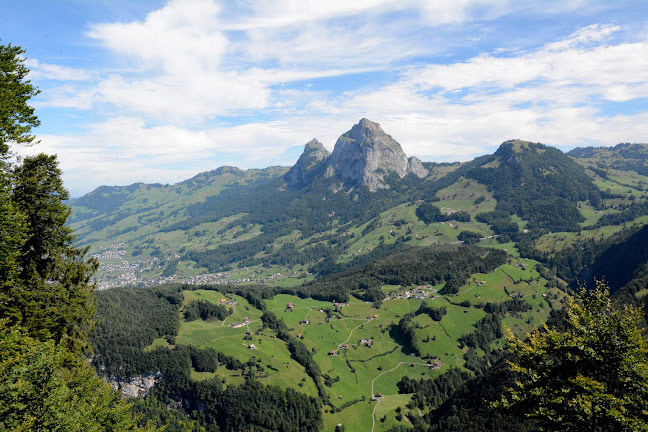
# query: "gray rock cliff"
x,y
415,166
306,167
366,154
362,157
138,386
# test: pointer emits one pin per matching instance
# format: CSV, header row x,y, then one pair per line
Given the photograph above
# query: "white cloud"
x,y
40,70
126,150
609,70
187,71
270,14
181,37
191,67
555,94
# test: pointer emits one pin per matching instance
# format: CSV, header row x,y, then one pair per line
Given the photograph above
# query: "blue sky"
x,y
157,91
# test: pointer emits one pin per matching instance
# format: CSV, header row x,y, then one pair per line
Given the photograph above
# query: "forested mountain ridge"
x,y
301,220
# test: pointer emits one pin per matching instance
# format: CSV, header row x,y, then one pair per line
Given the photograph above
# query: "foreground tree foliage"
x,y
39,392
46,307
16,115
591,376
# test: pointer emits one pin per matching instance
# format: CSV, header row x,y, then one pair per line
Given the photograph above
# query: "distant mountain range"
x,y
333,207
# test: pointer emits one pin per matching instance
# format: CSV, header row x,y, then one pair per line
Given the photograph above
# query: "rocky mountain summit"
x,y
363,157
307,164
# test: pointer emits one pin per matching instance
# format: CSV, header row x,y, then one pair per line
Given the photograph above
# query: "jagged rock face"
x,y
301,173
415,166
362,158
138,386
365,154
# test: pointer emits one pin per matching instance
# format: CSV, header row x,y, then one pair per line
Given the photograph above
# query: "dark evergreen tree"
x,y
46,309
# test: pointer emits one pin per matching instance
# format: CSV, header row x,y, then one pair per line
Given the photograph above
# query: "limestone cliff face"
x,y
362,157
138,386
307,165
415,166
366,154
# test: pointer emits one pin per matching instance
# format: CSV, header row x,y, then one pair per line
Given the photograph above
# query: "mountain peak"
x,y
313,144
365,154
520,146
307,164
368,124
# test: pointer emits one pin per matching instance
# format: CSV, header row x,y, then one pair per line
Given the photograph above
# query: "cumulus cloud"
x,y
570,62
39,71
125,150
198,83
555,94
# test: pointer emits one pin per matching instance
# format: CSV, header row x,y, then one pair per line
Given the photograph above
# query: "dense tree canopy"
x,y
46,308
594,373
16,115
38,392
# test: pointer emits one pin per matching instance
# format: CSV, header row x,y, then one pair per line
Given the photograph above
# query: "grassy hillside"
x,y
342,294
358,370
233,226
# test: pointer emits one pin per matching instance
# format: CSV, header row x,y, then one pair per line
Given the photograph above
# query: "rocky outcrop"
x,y
138,386
365,155
415,166
307,165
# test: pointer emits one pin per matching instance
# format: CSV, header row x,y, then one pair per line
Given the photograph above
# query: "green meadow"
x,y
356,372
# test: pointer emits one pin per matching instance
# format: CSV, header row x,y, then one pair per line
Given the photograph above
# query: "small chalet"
x,y
252,347
290,307
435,365
304,321
299,336
333,353
247,320
375,316
345,346
237,324
378,395
223,300
366,342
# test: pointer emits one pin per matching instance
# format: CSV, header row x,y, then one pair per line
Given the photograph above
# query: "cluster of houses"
x,y
421,292
245,322
275,276
228,302
362,342
366,342
339,305
128,273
